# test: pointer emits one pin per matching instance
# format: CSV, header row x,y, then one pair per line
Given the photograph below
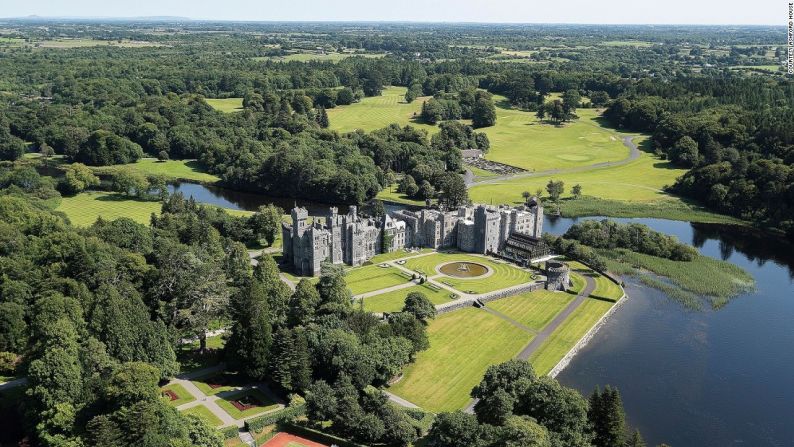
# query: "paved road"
x,y
544,334
400,401
13,383
634,153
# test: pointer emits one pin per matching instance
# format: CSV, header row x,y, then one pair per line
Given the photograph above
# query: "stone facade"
x,y
353,240
558,276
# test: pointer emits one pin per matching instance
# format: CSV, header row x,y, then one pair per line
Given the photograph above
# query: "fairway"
x,y
640,180
520,139
226,105
377,112
189,170
568,334
84,208
462,346
535,309
394,301
373,277
504,274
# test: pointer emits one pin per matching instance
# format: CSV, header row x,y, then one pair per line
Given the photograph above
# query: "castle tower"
x,y
557,276
334,227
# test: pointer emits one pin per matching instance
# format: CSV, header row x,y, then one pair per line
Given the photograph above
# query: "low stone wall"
x,y
493,296
586,339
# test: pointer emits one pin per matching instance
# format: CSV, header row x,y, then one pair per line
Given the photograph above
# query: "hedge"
x,y
287,414
230,432
318,436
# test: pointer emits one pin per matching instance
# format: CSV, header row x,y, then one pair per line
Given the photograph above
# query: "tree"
x,y
132,382
378,210
417,304
408,186
607,418
163,156
11,147
453,192
522,431
334,294
46,152
576,191
635,440
526,195
13,328
457,428
322,118
129,182
495,408
571,100
106,148
426,191
599,98
541,113
250,339
345,96
563,411
404,324
303,303
278,293
266,223
555,189
77,178
685,152
321,403
484,113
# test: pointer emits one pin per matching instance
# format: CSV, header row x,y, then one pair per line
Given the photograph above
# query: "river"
x,y
688,378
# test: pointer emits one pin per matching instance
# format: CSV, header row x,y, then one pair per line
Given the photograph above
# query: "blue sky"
x,y
765,12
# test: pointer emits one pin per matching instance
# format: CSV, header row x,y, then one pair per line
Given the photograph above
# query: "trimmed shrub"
x,y
278,417
230,432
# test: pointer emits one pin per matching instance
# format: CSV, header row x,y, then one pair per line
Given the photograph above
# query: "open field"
x,y
373,277
261,402
535,309
189,170
204,413
378,112
568,334
519,139
640,180
626,43
504,275
462,346
84,208
394,301
226,105
317,57
66,43
182,394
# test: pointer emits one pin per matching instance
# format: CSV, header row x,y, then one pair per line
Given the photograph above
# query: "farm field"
x,y
462,346
84,208
568,334
378,112
373,277
535,309
226,105
394,301
504,275
173,169
204,413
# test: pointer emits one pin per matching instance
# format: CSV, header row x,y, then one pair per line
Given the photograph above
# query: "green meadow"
x,y
187,170
205,414
226,105
394,301
504,274
377,112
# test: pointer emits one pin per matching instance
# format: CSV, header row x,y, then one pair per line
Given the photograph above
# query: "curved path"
x,y
634,153
544,334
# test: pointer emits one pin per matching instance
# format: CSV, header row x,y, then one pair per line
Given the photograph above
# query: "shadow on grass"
x,y
116,197
196,166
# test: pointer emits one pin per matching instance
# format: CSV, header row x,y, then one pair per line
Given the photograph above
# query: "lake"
x,y
688,378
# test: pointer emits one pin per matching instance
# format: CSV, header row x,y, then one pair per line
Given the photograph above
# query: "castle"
x,y
353,240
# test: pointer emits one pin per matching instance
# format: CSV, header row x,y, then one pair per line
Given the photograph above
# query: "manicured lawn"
x,y
181,393
605,288
568,334
384,257
378,112
462,346
394,301
519,139
222,381
84,208
640,180
260,400
534,309
373,277
204,413
172,169
226,105
505,274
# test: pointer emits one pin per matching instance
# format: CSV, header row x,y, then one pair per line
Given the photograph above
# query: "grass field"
x,y
205,414
180,391
504,275
462,346
519,139
228,381
534,309
265,404
568,334
373,277
377,112
84,208
607,289
189,170
397,254
394,301
226,105
65,43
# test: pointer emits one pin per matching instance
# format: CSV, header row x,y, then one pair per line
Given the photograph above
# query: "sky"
x,y
754,12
